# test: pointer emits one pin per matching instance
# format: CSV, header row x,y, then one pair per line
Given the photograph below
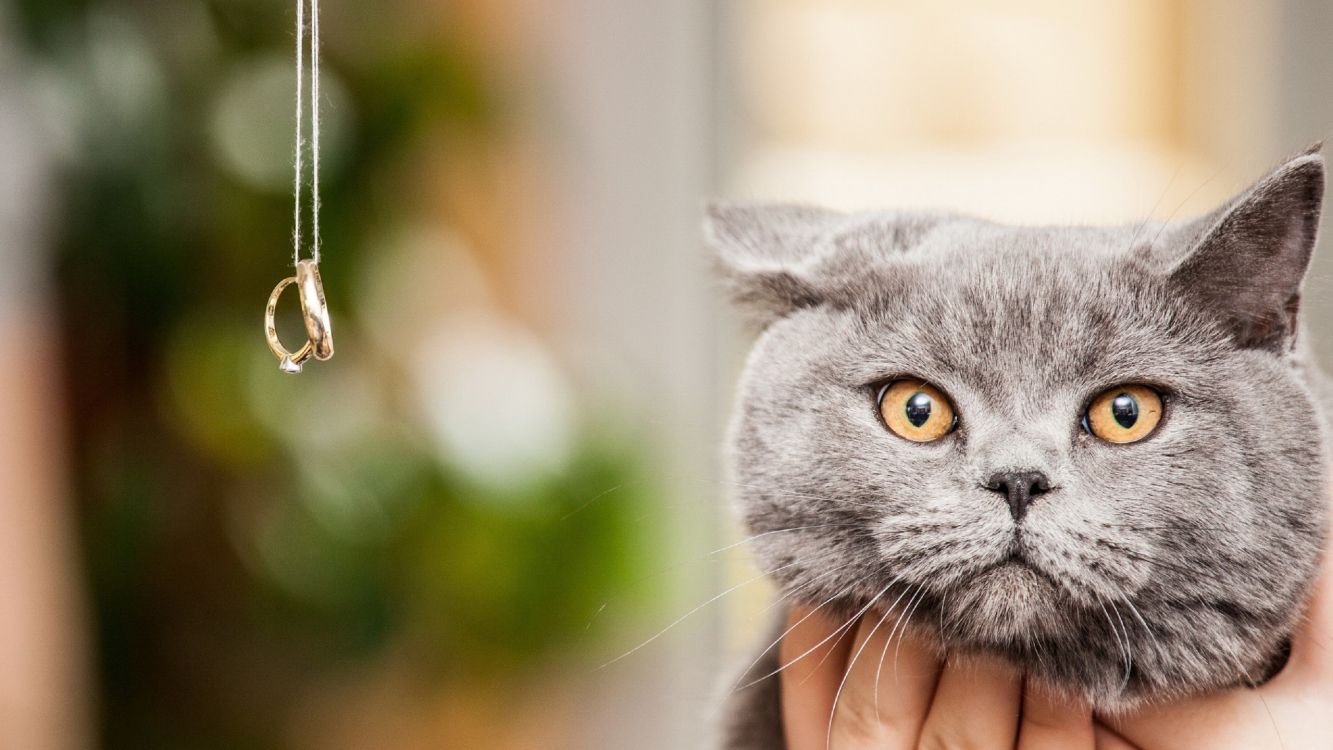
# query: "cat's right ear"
x,y
1250,257
766,255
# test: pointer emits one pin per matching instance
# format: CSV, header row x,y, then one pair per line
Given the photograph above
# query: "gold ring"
x,y
319,332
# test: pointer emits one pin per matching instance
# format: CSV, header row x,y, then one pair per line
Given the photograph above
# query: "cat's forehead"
x,y
983,240
1001,309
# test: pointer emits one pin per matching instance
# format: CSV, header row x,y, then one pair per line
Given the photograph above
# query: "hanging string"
x,y
314,310
314,130
300,130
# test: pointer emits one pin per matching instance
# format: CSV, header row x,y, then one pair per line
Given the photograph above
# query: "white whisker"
x,y
780,638
749,539
685,616
1129,646
821,555
851,621
1115,634
828,741
907,618
831,573
879,669
1151,635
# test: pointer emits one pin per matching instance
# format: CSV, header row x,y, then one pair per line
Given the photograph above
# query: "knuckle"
x,y
858,721
948,738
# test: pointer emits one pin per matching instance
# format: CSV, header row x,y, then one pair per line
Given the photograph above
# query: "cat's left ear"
x,y
767,254
1251,255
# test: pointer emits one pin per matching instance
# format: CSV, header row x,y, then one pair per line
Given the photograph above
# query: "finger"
x,y
976,704
1050,723
887,690
1240,718
1312,644
812,656
1109,740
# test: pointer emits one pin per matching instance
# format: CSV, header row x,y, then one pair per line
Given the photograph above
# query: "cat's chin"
x,y
1011,602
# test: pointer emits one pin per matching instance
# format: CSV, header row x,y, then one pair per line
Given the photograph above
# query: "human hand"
x,y
891,691
1292,711
879,687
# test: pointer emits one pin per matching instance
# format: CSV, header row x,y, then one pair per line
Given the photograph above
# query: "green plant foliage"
x,y
249,535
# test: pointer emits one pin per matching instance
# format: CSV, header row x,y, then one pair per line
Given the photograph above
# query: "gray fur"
x,y
1194,547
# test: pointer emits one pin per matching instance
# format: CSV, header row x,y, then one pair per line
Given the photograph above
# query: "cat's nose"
x,y
1019,488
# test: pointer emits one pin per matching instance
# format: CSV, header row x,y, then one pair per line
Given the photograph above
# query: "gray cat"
x,y
1095,452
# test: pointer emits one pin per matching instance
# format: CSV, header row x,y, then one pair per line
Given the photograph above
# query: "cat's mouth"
x,y
1011,599
1020,558
1016,559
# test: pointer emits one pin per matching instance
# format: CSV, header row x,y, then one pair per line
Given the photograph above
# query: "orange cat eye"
x,y
1124,414
916,411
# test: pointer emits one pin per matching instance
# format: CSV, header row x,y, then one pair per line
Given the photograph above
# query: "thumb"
x,y
1312,643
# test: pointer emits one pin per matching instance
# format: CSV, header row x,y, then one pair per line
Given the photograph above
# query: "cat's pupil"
x,y
1125,409
918,408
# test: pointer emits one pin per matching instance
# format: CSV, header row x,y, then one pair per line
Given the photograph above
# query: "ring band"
x,y
319,332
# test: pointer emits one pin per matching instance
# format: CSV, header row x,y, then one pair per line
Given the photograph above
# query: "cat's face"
x,y
1160,549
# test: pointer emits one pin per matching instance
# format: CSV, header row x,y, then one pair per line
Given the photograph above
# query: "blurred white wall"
x,y
1303,68
626,126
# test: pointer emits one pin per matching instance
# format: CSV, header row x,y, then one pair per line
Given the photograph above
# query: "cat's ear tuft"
x,y
765,254
1250,257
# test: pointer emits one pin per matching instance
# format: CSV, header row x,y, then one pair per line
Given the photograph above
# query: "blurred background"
x,y
469,528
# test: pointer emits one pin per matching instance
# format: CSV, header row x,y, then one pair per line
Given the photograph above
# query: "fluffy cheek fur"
x,y
1168,567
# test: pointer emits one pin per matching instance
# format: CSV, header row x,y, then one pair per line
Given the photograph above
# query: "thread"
x,y
314,129
300,142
